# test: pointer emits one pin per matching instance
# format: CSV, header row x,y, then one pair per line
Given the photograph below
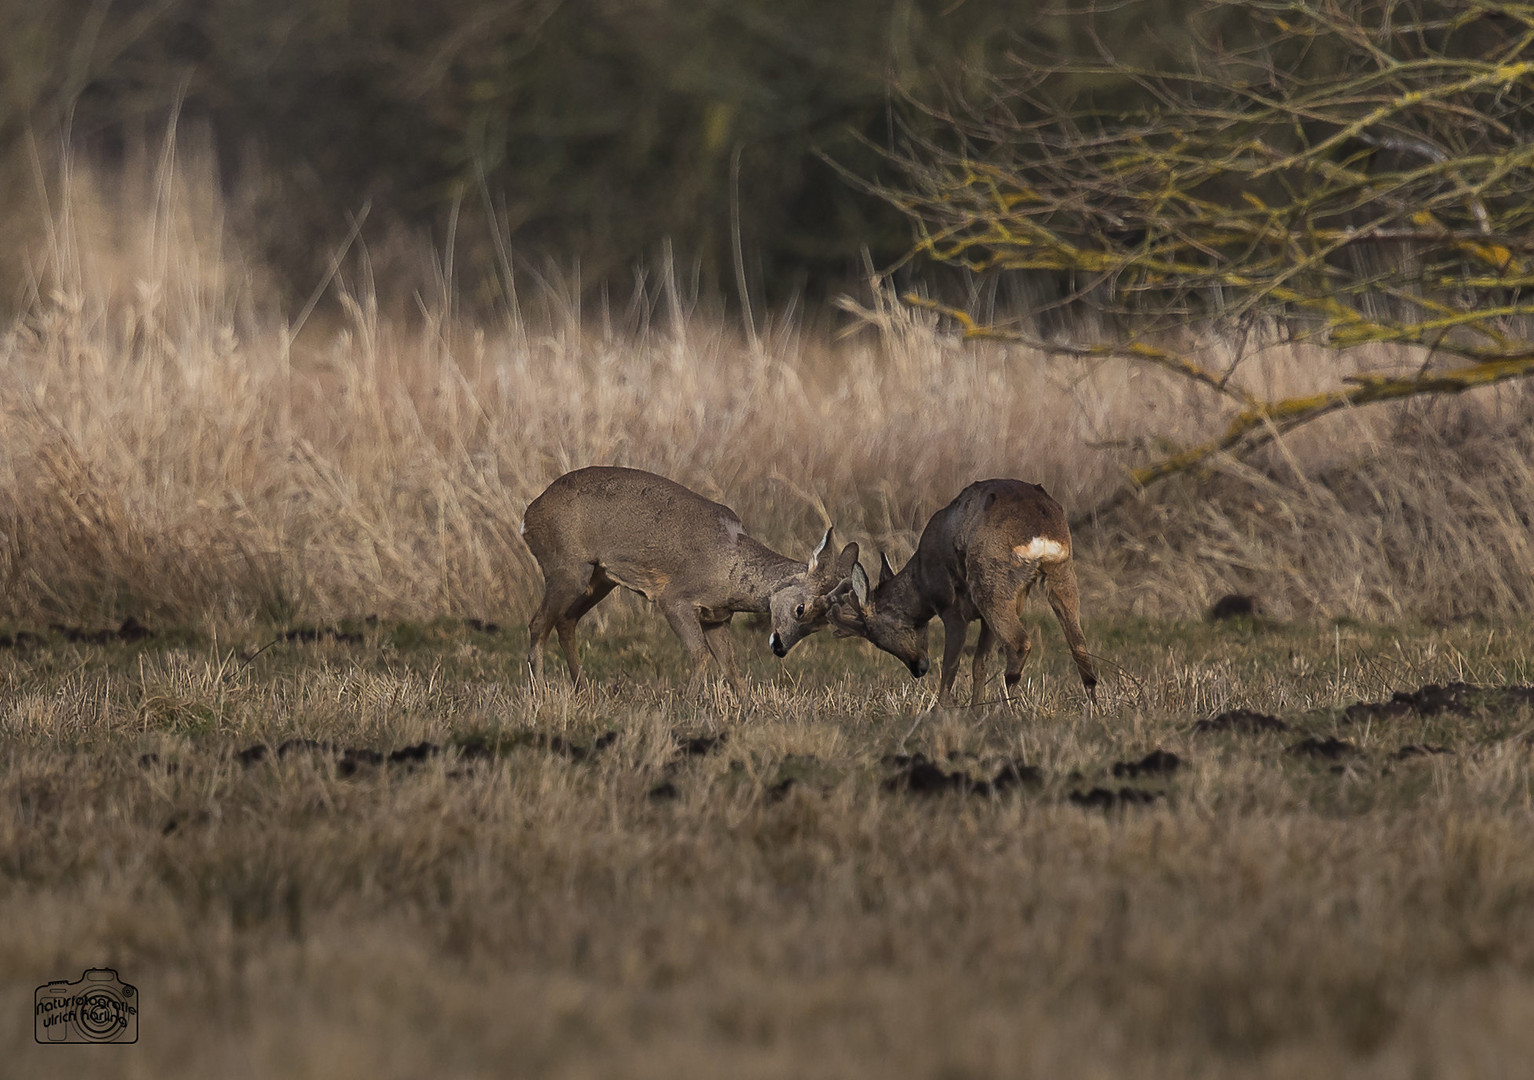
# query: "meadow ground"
x,y
372,850
634,883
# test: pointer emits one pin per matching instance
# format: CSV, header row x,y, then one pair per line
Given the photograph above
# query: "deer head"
x,y
855,610
799,609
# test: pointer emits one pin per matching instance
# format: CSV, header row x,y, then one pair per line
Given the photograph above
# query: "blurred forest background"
x,y
587,134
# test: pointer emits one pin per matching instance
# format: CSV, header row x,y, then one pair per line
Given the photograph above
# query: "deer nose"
x,y
919,667
777,645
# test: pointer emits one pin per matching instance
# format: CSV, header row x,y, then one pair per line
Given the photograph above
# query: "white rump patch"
x,y
522,529
1040,549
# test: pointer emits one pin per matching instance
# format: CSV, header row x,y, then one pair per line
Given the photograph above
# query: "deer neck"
x,y
759,572
903,599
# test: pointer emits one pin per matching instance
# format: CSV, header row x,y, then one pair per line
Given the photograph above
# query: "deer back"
x,y
994,529
646,532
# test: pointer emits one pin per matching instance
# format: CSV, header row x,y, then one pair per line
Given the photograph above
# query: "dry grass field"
x,y
634,882
541,897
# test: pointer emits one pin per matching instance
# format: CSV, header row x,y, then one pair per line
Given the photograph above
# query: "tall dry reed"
x,y
176,447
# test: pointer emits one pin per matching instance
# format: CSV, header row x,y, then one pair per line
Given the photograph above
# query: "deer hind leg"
x,y
597,588
1001,611
1015,641
566,598
1060,583
556,593
537,632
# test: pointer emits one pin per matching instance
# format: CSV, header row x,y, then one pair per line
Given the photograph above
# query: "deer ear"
x,y
846,614
825,546
859,579
847,560
886,571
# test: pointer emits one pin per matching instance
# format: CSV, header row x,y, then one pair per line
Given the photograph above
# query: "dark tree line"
x,y
588,130
585,131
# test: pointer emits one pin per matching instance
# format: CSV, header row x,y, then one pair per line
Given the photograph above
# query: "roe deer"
x,y
600,527
977,559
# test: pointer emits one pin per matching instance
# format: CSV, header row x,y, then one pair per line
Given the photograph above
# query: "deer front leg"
x,y
955,628
682,616
982,669
722,644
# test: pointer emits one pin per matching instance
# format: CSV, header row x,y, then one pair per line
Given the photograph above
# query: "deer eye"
x,y
799,612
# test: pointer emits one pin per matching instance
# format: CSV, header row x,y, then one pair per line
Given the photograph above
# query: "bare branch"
x,y
1361,170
